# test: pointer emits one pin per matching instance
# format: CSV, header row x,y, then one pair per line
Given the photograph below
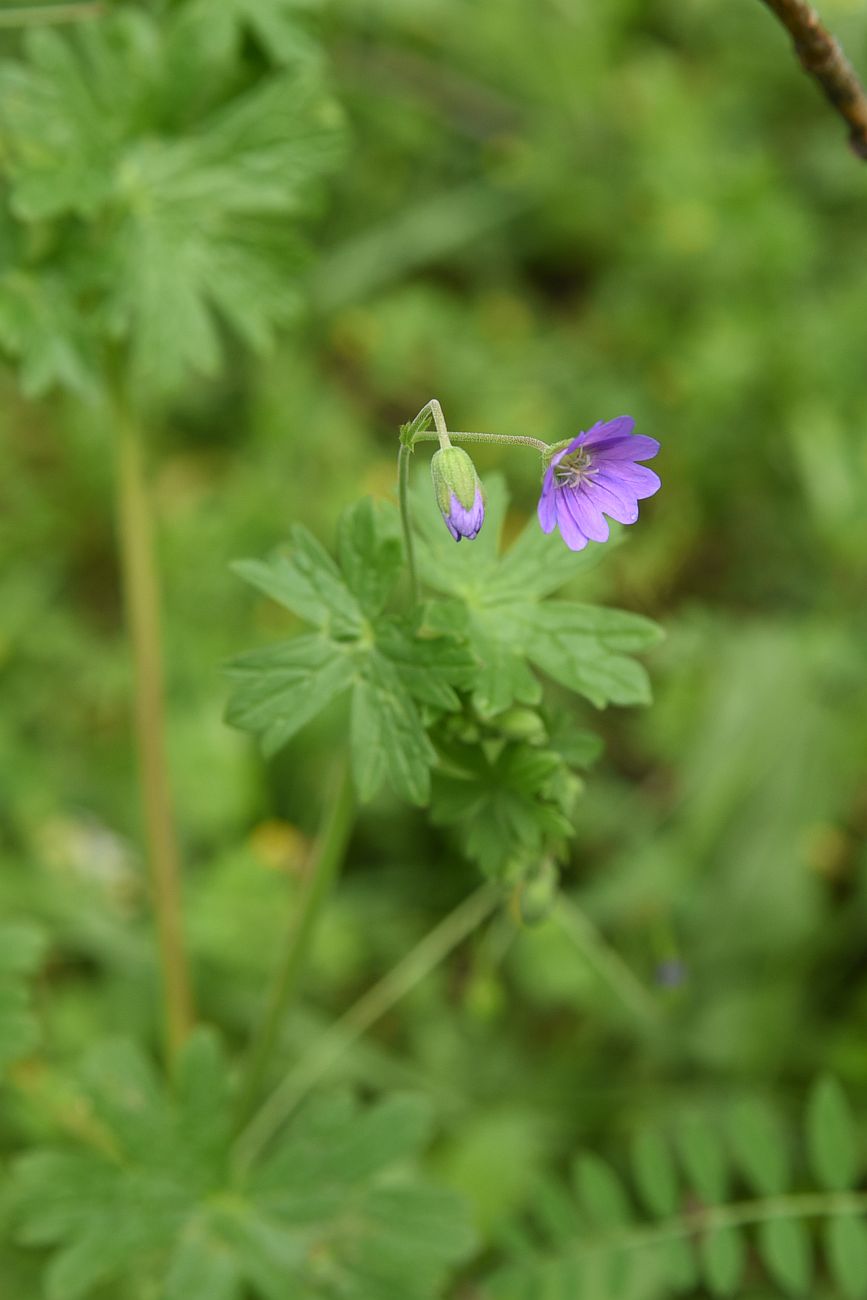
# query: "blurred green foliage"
x,y
548,214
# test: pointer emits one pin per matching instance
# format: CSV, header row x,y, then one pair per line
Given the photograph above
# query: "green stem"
x,y
607,964
30,16
439,420
371,1007
713,1218
516,439
403,495
141,595
330,850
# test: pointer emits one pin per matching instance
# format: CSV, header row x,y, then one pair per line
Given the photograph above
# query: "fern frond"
x,y
738,1203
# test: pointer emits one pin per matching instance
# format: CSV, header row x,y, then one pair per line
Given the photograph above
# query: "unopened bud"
x,y
521,724
538,894
458,492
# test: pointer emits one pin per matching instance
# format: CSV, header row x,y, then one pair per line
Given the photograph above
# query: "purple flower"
x,y
458,492
596,475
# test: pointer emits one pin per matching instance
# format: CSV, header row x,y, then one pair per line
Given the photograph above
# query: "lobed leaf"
x,y
278,25
162,214
392,667
387,736
509,799
281,689
334,1210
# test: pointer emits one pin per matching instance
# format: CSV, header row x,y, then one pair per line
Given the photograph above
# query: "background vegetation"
x,y
545,214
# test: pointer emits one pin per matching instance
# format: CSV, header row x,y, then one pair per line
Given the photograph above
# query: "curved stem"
x,y
439,420
330,850
141,595
372,1006
516,439
403,495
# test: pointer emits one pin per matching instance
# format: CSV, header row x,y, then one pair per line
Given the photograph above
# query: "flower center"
x,y
573,469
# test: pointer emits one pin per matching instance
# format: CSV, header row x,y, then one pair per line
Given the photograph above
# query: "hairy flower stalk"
x,y
594,475
458,492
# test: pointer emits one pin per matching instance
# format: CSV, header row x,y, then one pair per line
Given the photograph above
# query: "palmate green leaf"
x,y
333,1211
40,327
370,552
170,215
207,227
387,737
510,801
392,668
67,109
283,688
513,629
21,948
278,25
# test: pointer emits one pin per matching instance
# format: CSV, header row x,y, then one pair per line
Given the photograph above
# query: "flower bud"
x,y
538,894
521,724
458,492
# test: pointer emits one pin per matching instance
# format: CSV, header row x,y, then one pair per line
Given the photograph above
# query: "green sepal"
x,y
454,474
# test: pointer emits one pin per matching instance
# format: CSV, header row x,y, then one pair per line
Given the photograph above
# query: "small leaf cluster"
x,y
709,1207
334,1210
155,176
446,703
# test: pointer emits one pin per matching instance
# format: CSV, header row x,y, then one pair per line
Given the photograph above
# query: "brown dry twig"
x,y
822,57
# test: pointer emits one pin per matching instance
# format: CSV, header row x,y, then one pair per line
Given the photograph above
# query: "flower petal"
x,y
617,502
620,427
477,517
547,508
466,521
586,514
636,446
450,526
623,476
569,530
